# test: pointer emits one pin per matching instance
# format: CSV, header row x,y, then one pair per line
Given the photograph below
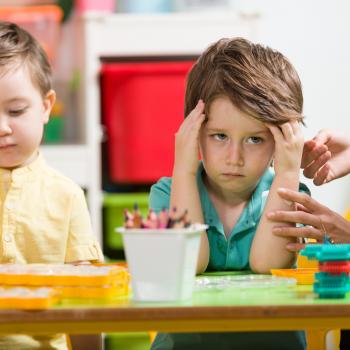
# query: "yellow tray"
x,y
94,292
62,275
28,298
303,276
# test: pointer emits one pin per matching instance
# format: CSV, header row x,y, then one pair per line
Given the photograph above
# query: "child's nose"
x,y
235,154
5,128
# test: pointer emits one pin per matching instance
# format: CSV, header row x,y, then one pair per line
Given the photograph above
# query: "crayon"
x,y
137,216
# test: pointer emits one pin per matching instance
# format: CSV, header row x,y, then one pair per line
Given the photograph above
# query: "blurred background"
x,y
119,63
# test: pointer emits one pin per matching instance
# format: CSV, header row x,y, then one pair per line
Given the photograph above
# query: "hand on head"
x,y
326,157
187,141
288,146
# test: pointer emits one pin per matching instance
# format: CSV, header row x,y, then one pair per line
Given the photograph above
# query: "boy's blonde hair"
x,y
257,79
18,47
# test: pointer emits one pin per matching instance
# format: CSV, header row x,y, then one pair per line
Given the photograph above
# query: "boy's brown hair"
x,y
18,47
257,79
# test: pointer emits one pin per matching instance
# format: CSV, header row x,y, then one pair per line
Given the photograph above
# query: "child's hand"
x,y
289,142
186,141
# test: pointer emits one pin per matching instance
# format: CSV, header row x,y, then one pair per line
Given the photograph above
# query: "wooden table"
x,y
287,308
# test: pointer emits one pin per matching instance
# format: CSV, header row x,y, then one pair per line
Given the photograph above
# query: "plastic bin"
x,y
40,21
114,205
142,108
162,262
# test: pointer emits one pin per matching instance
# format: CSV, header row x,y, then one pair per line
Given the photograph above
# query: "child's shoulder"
x,y
159,196
163,184
56,179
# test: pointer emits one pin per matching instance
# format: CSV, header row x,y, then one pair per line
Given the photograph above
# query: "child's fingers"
x,y
311,170
194,117
296,127
276,132
197,110
287,131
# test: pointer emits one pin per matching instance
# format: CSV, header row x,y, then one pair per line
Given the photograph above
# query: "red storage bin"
x,y
142,108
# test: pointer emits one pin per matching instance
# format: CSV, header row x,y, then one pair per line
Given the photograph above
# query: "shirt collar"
x,y
251,213
24,173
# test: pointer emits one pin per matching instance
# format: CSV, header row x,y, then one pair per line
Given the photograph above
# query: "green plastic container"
x,y
127,341
114,205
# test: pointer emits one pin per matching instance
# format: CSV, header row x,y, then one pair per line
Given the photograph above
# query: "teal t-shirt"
x,y
226,254
230,253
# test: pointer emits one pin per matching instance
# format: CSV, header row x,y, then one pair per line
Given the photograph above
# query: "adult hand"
x,y
317,218
187,141
326,157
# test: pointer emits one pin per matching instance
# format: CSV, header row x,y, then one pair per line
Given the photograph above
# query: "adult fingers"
x,y
322,137
294,196
311,170
295,247
312,153
298,232
323,176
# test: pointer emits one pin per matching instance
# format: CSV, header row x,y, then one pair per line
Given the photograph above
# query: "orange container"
x,y
40,21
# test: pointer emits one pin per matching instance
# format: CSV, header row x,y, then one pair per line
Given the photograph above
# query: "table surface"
x,y
227,309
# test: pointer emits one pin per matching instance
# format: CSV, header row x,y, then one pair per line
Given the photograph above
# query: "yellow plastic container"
x,y
28,298
62,275
108,292
303,276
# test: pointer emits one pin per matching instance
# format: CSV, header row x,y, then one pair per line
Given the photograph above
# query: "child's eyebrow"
x,y
253,132
16,99
256,132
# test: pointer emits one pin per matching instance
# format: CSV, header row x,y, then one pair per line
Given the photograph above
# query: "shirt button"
x,y
7,238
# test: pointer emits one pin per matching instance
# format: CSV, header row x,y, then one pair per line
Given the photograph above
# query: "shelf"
x,y
70,160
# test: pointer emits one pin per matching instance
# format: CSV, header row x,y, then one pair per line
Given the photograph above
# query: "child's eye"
x,y
219,137
16,112
254,140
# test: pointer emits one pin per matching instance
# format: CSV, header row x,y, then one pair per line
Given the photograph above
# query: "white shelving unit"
x,y
108,35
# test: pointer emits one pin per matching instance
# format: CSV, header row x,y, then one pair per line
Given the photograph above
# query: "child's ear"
x,y
49,101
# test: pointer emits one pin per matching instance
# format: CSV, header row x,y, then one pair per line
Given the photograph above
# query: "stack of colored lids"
x,y
334,265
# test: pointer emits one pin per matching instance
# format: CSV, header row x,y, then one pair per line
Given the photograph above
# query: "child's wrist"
x,y
288,174
180,170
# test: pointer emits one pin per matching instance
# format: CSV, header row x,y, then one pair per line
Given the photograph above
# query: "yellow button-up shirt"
x,y
43,219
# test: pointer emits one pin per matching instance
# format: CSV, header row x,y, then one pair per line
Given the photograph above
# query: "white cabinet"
x,y
102,35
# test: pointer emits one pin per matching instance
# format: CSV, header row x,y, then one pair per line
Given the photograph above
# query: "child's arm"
x,y
81,245
269,251
184,190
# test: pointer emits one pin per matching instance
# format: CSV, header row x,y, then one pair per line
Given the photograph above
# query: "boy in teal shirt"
x,y
244,109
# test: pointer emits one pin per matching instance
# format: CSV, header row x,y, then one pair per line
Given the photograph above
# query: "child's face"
x,y
236,149
23,113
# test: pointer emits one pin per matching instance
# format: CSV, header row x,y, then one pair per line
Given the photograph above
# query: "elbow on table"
x,y
260,268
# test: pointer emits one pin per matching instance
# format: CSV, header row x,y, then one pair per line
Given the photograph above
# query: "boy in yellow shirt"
x,y
44,216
